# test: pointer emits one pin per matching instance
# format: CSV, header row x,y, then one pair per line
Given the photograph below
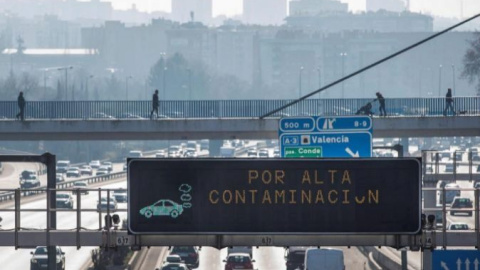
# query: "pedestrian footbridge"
x,y
129,120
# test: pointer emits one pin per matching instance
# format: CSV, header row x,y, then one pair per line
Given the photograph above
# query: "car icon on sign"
x,y
162,208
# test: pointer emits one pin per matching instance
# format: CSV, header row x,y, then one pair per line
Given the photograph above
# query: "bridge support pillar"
x,y
404,143
214,147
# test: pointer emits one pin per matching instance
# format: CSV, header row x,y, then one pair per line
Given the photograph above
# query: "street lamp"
x,y
453,74
126,86
439,80
319,80
66,78
86,88
164,84
343,55
300,83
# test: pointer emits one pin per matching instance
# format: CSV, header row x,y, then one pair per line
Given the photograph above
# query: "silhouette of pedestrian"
x,y
155,104
449,103
381,101
21,105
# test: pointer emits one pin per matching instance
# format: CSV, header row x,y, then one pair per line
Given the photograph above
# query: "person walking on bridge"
x,y
449,103
155,103
381,100
21,105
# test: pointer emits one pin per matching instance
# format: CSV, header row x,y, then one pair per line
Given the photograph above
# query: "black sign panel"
x,y
274,196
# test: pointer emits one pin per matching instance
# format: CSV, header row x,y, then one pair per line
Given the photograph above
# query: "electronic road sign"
x,y
245,196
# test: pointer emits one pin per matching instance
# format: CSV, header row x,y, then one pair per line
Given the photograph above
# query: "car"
x,y
101,115
135,154
429,169
106,203
73,172
241,249
59,178
86,170
190,153
238,261
263,153
252,153
449,167
108,165
175,151
452,190
120,195
458,226
39,258
62,166
125,167
295,257
30,181
475,157
64,200
130,116
173,258
476,184
459,204
174,266
276,153
162,208
160,154
102,171
81,187
95,164
189,255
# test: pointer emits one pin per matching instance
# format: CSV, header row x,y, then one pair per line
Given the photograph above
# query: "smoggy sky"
x,y
445,8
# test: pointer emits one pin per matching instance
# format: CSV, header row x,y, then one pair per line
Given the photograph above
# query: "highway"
x,y
268,258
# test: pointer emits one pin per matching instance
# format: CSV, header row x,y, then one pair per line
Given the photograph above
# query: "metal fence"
x,y
396,107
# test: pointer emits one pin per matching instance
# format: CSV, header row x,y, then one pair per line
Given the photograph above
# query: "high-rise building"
x,y
390,5
316,7
265,12
188,10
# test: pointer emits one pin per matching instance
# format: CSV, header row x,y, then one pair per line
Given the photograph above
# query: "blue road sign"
x,y
334,136
455,259
332,144
297,124
344,123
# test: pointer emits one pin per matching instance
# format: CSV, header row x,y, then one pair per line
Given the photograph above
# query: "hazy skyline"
x,y
445,8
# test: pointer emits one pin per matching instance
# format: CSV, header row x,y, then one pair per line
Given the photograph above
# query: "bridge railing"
x,y
396,107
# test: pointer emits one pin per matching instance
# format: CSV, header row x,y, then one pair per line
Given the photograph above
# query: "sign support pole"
x,y
427,259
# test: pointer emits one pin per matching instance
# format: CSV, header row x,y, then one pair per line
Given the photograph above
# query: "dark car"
x,y
238,261
459,204
120,195
39,258
64,200
295,257
28,179
189,255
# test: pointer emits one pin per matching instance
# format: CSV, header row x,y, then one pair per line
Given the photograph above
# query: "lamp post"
x,y
319,80
453,74
126,86
86,88
439,80
66,78
164,84
343,55
300,82
189,84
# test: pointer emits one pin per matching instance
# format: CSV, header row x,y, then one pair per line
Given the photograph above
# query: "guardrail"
x,y
110,110
62,185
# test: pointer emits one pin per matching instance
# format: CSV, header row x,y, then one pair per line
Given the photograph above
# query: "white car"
x,y
73,172
86,170
95,164
160,154
458,226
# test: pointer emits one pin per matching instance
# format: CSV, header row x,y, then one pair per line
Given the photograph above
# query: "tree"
x,y
28,83
155,79
471,62
11,86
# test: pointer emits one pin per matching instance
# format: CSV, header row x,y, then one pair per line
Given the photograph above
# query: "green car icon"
x,y
162,208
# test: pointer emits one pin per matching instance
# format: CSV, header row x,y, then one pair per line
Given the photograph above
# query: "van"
x,y
62,166
295,257
227,151
324,258
135,154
